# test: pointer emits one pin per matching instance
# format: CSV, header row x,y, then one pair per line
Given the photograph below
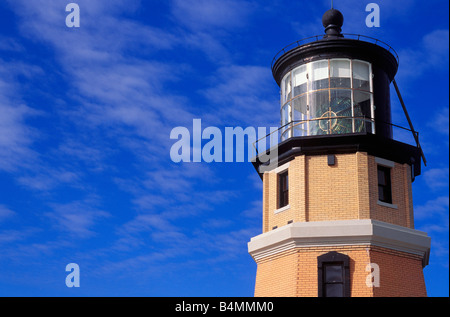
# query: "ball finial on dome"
x,y
333,20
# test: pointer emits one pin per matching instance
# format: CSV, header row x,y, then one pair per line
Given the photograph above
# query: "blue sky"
x,y
85,119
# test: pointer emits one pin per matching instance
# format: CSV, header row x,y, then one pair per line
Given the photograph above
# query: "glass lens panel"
x,y
319,70
299,106
285,119
341,102
362,104
361,74
319,76
283,91
300,80
340,73
319,107
362,109
299,113
340,107
286,89
285,115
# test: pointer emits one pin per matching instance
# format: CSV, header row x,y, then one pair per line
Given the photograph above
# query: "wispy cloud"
x,y
206,14
440,122
437,178
240,95
8,44
110,86
16,136
428,54
437,207
77,218
5,213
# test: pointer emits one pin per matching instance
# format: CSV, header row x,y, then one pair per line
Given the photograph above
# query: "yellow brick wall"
x,y
362,171
348,190
293,273
277,276
401,195
308,272
401,275
332,192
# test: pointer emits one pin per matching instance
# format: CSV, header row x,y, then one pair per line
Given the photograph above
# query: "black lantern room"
x,y
335,96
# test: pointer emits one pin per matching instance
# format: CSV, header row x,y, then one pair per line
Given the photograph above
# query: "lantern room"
x,y
336,84
330,96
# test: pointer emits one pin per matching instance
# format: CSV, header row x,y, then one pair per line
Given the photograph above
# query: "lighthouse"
x,y
337,218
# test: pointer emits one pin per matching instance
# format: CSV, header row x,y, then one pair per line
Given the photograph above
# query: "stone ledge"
x,y
341,233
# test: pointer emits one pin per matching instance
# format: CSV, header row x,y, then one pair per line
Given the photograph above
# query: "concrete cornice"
x,y
340,233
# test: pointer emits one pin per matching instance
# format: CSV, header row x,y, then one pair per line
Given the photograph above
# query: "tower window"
x,y
333,279
384,184
283,189
333,275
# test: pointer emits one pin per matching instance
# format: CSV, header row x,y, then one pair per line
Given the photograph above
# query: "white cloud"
x,y
437,207
8,236
16,136
110,86
205,14
440,122
10,44
5,212
436,45
255,209
242,94
428,54
118,100
46,179
78,218
437,178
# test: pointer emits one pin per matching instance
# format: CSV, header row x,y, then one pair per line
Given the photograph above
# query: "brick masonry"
x,y
348,190
294,273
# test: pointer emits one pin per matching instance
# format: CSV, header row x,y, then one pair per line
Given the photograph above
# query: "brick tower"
x,y
337,207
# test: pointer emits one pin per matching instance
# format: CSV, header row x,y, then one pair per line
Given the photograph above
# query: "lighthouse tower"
x,y
337,207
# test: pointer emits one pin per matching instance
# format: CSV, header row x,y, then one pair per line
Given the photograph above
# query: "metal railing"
x,y
359,125
315,38
326,125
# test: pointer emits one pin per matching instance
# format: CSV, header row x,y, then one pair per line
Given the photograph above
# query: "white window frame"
x,y
279,170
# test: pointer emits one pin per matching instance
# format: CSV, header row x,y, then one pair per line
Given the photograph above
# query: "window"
x,y
362,109
333,275
340,73
361,75
333,280
329,96
286,120
286,88
300,80
319,78
384,184
299,113
283,190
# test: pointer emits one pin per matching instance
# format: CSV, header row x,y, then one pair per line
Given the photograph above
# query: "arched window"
x,y
333,275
